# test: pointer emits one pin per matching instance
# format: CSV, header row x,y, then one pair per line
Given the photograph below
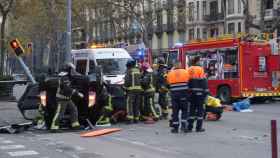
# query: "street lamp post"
x,y
69,27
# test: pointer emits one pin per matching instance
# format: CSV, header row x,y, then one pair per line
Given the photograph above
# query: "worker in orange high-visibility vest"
x,y
177,80
198,86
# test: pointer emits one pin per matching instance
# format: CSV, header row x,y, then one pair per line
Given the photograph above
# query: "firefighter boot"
x,y
199,126
76,126
164,114
190,124
174,130
184,128
103,121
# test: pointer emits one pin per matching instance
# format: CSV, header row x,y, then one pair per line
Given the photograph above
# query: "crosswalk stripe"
x,y
6,142
23,153
10,147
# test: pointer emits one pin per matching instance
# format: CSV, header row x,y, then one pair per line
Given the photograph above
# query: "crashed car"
x,y
89,107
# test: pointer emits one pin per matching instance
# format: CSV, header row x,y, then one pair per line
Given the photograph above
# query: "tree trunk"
x,y
2,43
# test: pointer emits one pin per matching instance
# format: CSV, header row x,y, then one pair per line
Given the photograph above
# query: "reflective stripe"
x,y
183,120
108,108
75,124
127,105
178,88
197,89
200,118
178,84
175,123
54,126
134,88
152,108
191,117
133,82
103,120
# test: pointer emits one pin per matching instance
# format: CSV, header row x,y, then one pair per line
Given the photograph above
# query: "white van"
x,y
112,60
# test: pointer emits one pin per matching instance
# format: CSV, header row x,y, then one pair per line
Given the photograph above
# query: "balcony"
x,y
181,25
271,13
214,17
159,29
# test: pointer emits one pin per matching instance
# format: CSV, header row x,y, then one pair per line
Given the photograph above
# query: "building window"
x,y
191,34
204,33
230,7
170,40
182,37
239,27
197,10
198,33
214,32
269,4
231,28
204,8
191,11
213,8
239,6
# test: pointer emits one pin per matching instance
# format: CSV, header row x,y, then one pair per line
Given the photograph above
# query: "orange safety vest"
x,y
198,82
178,79
196,72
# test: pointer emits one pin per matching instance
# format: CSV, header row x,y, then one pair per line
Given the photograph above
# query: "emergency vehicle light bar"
x,y
97,46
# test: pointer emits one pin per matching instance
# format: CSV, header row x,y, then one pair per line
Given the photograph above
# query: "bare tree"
x,y
133,16
5,8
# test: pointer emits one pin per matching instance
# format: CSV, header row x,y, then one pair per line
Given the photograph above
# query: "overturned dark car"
x,y
33,101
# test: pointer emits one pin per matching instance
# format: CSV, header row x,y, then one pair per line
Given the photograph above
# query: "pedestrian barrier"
x,y
6,89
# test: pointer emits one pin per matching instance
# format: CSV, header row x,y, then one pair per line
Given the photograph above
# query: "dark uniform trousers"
x,y
133,105
64,105
196,110
179,101
162,101
148,106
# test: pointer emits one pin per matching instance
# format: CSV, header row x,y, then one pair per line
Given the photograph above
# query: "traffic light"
x,y
16,46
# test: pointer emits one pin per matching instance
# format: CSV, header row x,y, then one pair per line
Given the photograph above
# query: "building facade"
x,y
174,21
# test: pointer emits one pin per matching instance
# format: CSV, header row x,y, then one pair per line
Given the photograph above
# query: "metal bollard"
x,y
274,148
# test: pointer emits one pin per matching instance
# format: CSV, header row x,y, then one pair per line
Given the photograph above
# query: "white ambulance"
x,y
112,61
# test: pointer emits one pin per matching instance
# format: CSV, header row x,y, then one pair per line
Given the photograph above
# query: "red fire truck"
x,y
235,68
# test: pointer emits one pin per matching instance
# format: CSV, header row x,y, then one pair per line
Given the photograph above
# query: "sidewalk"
x,y
9,113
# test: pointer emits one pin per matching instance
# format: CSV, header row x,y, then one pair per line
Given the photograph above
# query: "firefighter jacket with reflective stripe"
x,y
178,80
160,81
64,91
147,82
132,80
198,83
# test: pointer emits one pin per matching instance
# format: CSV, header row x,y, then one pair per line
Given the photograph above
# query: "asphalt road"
x,y
243,135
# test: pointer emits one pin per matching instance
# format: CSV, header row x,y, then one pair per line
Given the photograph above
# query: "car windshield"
x,y
113,66
81,66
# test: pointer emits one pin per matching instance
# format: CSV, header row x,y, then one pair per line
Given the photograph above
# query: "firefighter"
x,y
64,94
107,110
161,88
199,90
133,91
111,113
148,106
177,80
